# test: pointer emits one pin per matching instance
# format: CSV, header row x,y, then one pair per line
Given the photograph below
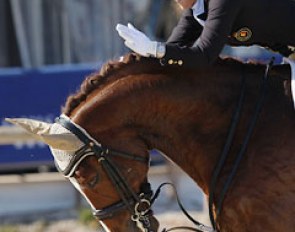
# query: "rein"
x,y
139,205
229,141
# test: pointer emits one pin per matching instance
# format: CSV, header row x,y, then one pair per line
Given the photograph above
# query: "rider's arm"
x,y
186,31
218,26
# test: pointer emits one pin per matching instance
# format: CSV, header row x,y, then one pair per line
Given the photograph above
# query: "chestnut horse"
x,y
134,105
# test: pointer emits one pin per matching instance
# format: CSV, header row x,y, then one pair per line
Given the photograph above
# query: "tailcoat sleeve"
x,y
187,31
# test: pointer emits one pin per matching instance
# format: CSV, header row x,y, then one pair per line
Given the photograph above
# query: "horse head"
x,y
110,188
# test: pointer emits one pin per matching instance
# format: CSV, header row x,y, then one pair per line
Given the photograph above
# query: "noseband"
x,y
139,205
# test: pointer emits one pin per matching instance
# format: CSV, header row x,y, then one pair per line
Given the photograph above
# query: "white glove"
x,y
139,42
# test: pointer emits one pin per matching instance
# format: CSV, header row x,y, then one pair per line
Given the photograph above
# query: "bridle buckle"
x,y
140,216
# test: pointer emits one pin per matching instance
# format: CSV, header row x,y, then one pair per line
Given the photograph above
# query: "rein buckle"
x,y
140,216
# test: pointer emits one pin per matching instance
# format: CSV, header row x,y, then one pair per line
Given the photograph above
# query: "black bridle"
x,y
139,205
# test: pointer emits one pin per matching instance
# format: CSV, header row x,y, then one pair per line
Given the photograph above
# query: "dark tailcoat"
x,y
269,23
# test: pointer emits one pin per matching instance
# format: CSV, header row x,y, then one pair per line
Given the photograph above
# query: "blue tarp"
x,y
36,94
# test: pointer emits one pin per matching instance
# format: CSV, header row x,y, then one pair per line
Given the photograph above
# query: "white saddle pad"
x,y
292,64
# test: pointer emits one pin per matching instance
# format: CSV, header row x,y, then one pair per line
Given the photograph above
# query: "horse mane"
x,y
129,64
109,72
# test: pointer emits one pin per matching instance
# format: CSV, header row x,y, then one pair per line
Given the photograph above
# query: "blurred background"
x,y
35,33
47,47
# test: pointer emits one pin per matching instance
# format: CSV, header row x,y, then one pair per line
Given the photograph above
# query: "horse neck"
x,y
185,116
188,121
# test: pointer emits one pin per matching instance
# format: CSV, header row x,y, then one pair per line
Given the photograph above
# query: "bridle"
x,y
139,205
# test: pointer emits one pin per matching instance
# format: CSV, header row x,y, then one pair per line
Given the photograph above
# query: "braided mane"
x,y
129,64
109,72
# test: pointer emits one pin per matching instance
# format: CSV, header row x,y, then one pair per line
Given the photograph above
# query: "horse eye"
x,y
94,181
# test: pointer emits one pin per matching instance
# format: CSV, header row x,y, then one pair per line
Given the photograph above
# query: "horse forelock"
x,y
109,73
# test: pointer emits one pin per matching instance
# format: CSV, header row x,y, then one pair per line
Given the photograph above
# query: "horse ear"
x,y
65,142
42,132
32,126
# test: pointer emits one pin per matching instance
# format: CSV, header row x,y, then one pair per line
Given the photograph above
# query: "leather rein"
x,y
229,141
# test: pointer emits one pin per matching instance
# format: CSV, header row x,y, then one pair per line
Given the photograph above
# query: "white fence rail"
x,y
12,135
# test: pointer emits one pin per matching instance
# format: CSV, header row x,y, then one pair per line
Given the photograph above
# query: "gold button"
x,y
180,62
170,61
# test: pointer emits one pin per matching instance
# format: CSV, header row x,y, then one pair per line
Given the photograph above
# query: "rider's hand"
x,y
139,42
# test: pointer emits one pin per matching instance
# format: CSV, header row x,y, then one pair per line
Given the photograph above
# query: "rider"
x,y
214,23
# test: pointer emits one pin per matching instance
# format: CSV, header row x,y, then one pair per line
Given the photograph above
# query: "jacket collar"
x,y
200,11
